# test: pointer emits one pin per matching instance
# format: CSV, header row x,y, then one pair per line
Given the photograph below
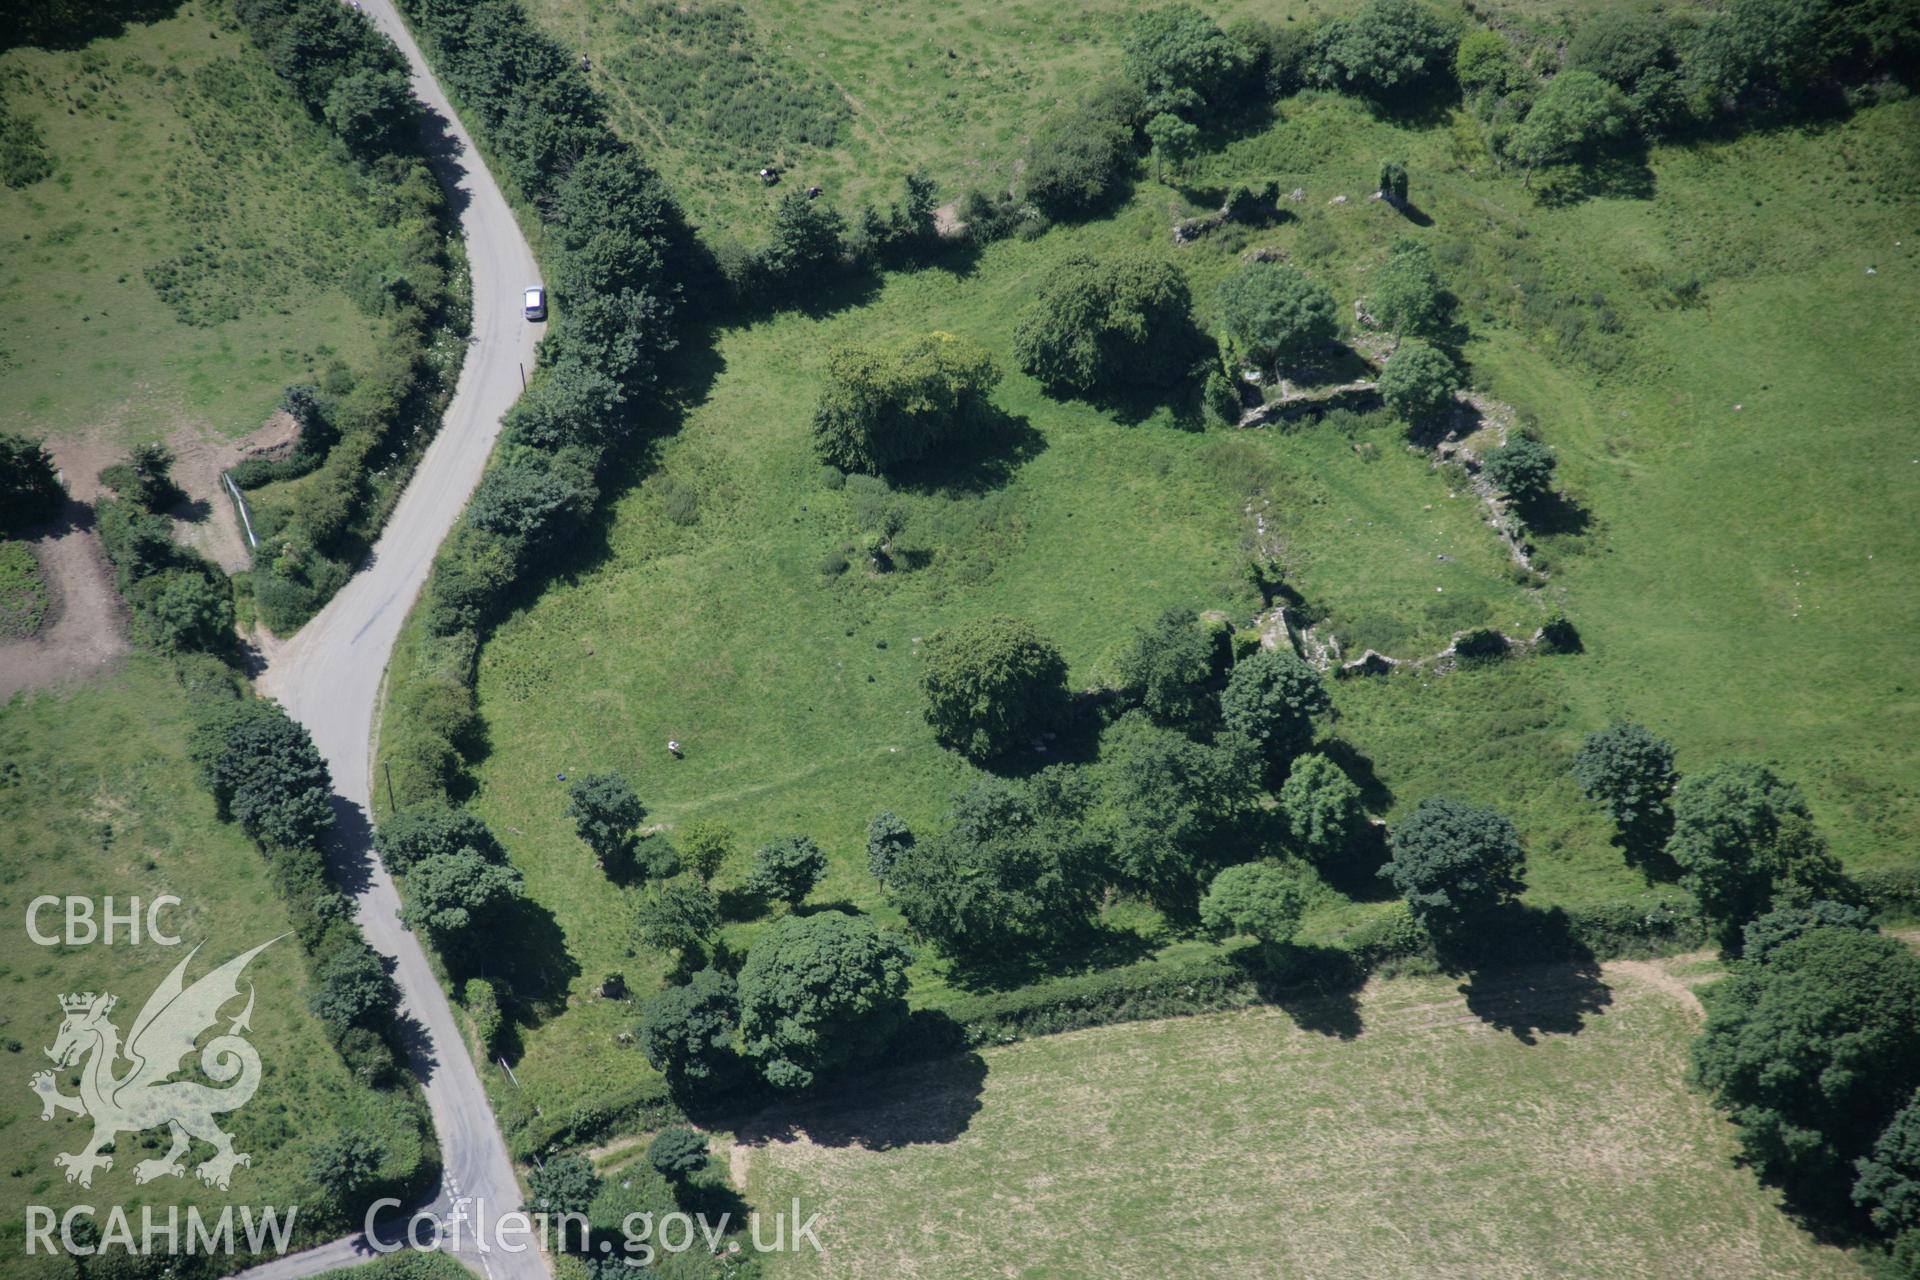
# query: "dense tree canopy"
x,y
786,869
1167,803
687,1032
1418,382
1181,62
1768,933
1391,51
1272,698
1406,296
605,813
1522,469
1629,771
346,1166
991,685
264,771
1014,869
352,988
423,831
1620,45
1813,1053
888,836
891,403
1454,862
679,914
1258,899
1078,159
1274,312
1889,1183
562,1184
1741,835
677,1151
818,991
1167,666
1574,115
453,898
30,489
1322,808
1119,319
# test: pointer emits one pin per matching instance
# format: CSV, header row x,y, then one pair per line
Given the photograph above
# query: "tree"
x,y
1889,1183
191,612
1407,297
565,1184
1276,313
1124,318
1168,803
1630,773
347,1165
1620,46
887,838
1167,668
1741,835
1393,182
991,685
532,496
1174,142
1013,871
429,830
706,845
1812,1054
1454,862
806,240
687,1032
886,404
1257,899
265,772
571,403
30,489
370,109
1272,698
352,988
1419,381
1321,806
1392,51
677,1151
1484,63
819,991
679,915
453,898
1180,61
605,813
786,869
1574,115
1768,933
1078,158
1522,469
150,472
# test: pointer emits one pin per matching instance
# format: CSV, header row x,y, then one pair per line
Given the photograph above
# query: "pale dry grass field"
x,y
1429,1144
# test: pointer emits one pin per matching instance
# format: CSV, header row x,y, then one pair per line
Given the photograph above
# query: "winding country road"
x,y
328,676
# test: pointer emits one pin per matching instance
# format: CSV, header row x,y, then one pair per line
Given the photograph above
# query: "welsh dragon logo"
x,y
142,1096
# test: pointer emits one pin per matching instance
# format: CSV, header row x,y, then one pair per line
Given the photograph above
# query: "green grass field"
x,y
1430,1144
1721,577
98,798
951,88
194,249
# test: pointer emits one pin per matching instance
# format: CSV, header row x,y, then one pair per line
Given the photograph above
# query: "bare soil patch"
x,y
85,632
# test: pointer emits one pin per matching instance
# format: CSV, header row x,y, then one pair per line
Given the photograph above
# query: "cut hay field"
x,y
98,798
196,243
1428,1144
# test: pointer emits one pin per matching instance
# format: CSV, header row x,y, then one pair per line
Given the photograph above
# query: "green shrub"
x,y
889,404
30,489
1121,319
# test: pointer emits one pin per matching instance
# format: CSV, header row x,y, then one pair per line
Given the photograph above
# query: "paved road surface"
x,y
328,676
